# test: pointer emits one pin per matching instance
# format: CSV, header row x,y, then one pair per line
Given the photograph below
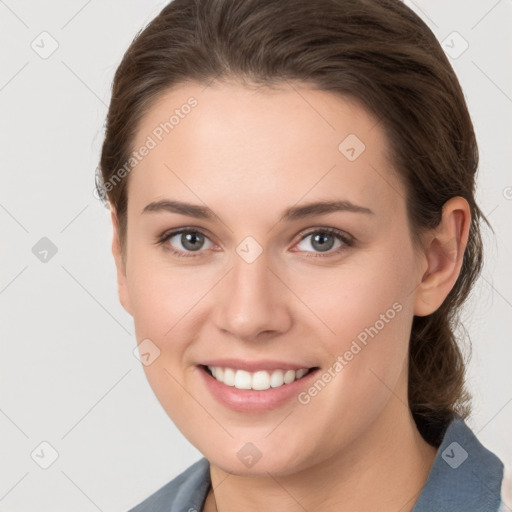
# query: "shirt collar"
x,y
465,477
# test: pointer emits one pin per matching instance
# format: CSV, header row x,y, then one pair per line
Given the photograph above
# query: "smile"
x,y
259,380
255,386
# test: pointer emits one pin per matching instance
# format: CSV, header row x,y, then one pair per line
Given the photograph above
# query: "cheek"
x,y
365,290
366,311
161,295
367,359
163,309
168,305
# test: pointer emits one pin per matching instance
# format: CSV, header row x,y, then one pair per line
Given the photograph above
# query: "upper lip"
x,y
253,366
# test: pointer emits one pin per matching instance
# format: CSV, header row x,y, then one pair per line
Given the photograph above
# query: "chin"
x,y
254,459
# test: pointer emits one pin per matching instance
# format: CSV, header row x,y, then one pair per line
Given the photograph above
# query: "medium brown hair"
x,y
378,52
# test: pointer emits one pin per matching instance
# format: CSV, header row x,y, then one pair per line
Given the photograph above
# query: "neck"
x,y
385,469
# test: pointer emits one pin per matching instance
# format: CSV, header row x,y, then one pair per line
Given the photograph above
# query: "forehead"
x,y
231,143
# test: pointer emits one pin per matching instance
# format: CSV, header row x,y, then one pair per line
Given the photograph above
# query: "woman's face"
x,y
268,281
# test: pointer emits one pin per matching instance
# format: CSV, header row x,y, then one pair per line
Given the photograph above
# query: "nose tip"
x,y
253,302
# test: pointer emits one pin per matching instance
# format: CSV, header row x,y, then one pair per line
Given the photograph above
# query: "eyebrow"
x,y
290,214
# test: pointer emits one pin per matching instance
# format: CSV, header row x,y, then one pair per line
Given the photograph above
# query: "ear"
x,y
443,254
122,281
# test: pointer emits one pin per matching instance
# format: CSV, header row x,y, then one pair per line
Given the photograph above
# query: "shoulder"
x,y
185,493
465,476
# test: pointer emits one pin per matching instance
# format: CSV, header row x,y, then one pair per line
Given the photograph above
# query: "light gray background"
x,y
69,376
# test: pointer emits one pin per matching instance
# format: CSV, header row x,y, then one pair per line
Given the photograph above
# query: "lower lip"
x,y
250,400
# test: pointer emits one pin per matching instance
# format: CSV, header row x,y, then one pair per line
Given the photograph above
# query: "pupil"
x,y
322,245
189,241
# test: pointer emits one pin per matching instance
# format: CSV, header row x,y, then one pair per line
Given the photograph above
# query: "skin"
x,y
248,155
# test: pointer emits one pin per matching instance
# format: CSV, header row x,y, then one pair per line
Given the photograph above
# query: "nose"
x,y
254,302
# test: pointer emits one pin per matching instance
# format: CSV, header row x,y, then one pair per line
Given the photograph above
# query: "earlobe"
x,y
122,281
444,252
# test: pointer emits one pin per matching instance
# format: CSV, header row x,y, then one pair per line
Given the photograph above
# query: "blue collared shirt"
x,y
465,477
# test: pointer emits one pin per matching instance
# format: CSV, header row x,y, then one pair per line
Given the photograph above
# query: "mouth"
x,y
258,391
259,380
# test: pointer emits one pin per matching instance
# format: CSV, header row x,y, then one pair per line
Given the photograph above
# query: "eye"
x,y
185,242
323,240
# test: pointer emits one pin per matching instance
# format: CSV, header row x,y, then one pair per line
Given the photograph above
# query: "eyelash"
x,y
340,235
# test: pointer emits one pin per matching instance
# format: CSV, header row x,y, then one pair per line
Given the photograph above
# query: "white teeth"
x,y
259,380
300,373
243,379
277,378
289,376
229,377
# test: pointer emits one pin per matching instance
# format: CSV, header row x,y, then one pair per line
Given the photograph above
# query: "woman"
x,y
295,229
